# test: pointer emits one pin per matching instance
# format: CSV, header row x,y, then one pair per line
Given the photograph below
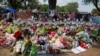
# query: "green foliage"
x,y
95,11
17,4
96,3
71,7
90,1
1,9
1,0
44,7
60,9
32,4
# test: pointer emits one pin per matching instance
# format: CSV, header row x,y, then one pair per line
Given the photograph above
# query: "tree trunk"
x,y
52,4
95,3
97,7
13,3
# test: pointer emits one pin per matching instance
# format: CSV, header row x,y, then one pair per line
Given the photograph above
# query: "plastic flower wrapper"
x,y
14,28
43,30
0,22
94,32
27,48
79,29
53,40
83,39
69,38
18,46
10,39
8,29
34,49
60,43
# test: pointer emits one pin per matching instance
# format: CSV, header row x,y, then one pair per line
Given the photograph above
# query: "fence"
x,y
96,19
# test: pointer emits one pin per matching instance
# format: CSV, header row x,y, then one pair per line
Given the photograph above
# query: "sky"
x,y
82,7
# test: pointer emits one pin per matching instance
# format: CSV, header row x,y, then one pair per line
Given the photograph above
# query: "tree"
x,y
16,4
60,8
1,8
96,3
95,11
32,4
1,0
44,7
71,7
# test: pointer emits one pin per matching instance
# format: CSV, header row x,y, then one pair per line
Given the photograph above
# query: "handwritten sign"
x,y
24,14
